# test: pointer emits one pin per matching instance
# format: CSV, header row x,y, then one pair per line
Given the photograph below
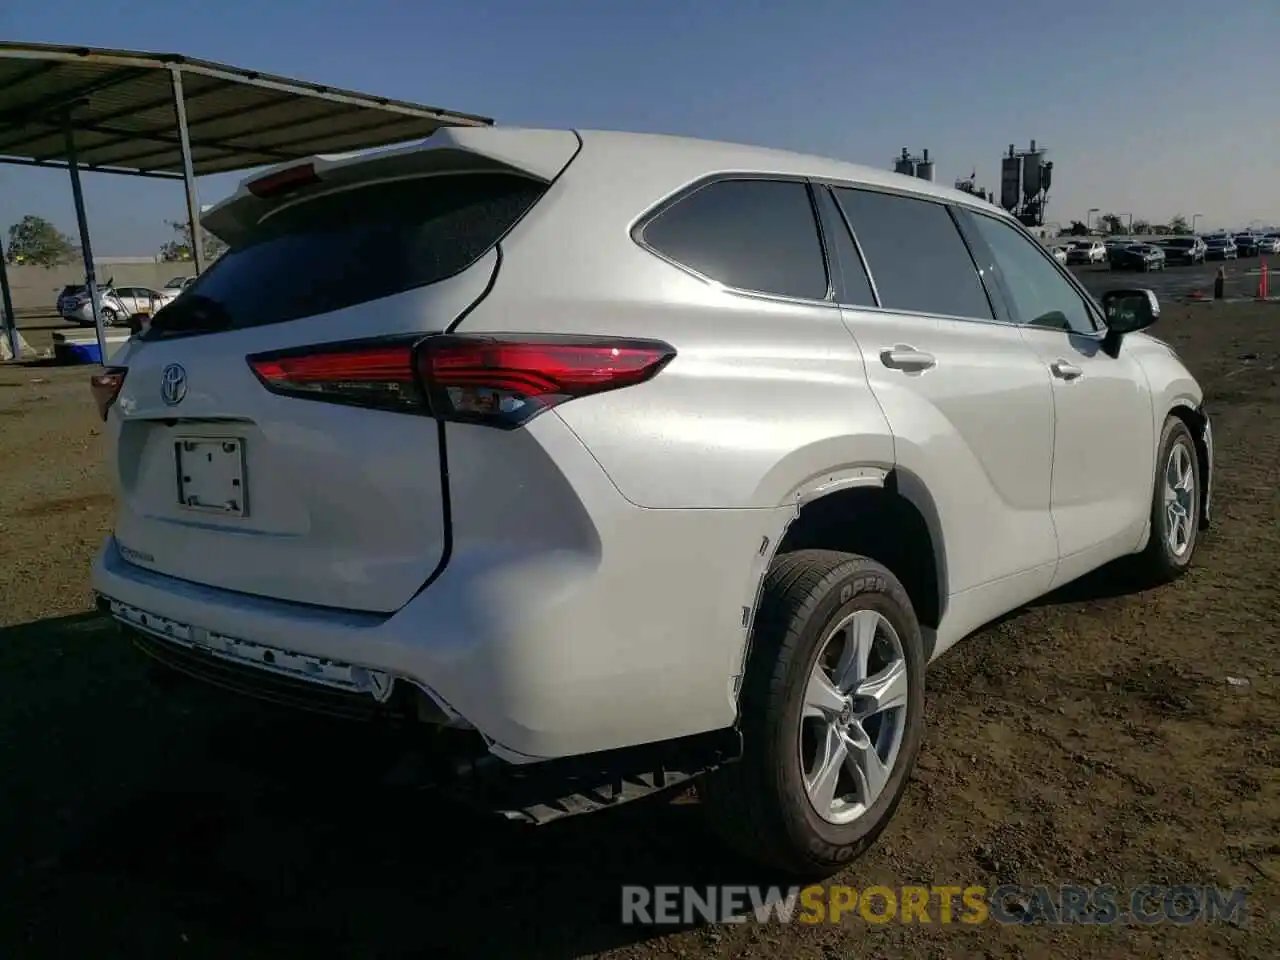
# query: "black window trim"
x,y
999,316
853,235
1091,308
689,189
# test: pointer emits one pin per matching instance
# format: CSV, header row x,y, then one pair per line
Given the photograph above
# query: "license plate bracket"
x,y
211,475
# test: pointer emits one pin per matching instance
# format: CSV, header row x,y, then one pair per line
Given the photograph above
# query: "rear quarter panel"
x,y
765,396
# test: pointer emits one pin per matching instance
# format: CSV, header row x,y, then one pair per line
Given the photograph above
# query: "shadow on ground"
x,y
215,824
1120,578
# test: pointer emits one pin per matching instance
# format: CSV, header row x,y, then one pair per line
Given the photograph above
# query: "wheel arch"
x,y
1194,417
895,523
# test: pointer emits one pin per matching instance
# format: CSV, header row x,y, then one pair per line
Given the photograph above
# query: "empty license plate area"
x,y
211,475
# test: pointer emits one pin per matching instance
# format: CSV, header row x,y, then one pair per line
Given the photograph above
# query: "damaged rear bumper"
x,y
441,751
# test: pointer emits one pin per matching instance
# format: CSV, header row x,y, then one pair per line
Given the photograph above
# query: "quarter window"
x,y
916,255
755,235
1041,296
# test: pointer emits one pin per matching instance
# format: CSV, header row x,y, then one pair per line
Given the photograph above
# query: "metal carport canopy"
x,y
167,116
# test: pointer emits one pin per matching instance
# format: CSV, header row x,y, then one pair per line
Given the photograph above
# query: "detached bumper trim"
x,y
1206,438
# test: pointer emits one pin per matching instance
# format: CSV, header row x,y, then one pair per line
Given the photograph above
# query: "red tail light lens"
x,y
105,387
501,381
368,374
505,381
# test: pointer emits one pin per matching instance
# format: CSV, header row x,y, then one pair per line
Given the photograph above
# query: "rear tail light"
x,y
506,381
105,387
370,374
502,381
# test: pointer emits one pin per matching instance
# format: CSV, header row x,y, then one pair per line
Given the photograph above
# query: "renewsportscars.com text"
x,y
969,905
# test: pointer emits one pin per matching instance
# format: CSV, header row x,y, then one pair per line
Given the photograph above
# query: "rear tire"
x,y
108,317
771,805
1175,507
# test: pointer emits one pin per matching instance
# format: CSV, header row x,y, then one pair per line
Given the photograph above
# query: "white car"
x,y
117,304
177,285
1059,254
1086,252
651,458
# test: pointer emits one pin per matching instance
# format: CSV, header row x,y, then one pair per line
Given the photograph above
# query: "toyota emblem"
x,y
173,384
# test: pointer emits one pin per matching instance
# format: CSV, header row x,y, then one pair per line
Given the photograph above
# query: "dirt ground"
x,y
1093,737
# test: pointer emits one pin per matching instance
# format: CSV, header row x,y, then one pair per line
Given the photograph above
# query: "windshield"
x,y
1180,242
176,282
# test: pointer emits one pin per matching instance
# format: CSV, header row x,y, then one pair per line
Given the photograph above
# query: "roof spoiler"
x,y
539,154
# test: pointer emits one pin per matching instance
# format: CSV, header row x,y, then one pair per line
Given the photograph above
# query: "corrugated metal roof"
x,y
121,105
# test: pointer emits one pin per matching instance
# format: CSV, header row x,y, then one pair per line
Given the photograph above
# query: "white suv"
x,y
629,459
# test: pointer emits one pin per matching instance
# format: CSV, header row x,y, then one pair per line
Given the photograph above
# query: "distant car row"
x,y
118,303
1127,254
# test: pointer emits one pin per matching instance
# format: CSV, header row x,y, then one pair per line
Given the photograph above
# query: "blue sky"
x,y
1150,108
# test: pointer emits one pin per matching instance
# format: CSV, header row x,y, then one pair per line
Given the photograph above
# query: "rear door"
x,y
969,404
224,483
129,299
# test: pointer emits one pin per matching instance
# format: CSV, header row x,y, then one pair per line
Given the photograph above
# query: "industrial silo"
x,y
1031,162
1011,180
924,169
905,164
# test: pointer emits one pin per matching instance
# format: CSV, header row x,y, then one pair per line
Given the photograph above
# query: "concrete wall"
x,y
37,288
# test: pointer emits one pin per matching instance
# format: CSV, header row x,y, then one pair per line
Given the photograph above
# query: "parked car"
x,y
1138,256
1220,247
547,598
178,284
117,303
1269,243
1246,244
1187,250
1086,252
1059,253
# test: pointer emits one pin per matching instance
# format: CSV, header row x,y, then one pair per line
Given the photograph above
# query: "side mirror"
x,y
1127,311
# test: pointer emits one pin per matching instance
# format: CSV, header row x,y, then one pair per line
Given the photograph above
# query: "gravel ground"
x,y
1091,737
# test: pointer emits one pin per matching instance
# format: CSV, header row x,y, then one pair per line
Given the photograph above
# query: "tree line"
x,y
1113,223
34,240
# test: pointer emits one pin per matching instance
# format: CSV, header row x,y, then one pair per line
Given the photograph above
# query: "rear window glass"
x,y
352,247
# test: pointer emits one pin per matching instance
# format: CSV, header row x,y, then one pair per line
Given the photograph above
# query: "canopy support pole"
x,y
86,248
188,173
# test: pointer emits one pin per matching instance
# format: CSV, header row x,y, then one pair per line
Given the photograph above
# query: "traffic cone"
x,y
1219,282
1264,282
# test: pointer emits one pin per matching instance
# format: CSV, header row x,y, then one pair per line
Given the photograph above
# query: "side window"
x,y
1040,295
750,234
854,286
916,255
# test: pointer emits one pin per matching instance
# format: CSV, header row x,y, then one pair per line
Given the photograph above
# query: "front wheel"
x,y
832,715
108,317
1175,506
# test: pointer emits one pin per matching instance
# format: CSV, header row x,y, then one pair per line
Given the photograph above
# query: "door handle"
x,y
1065,371
903,357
